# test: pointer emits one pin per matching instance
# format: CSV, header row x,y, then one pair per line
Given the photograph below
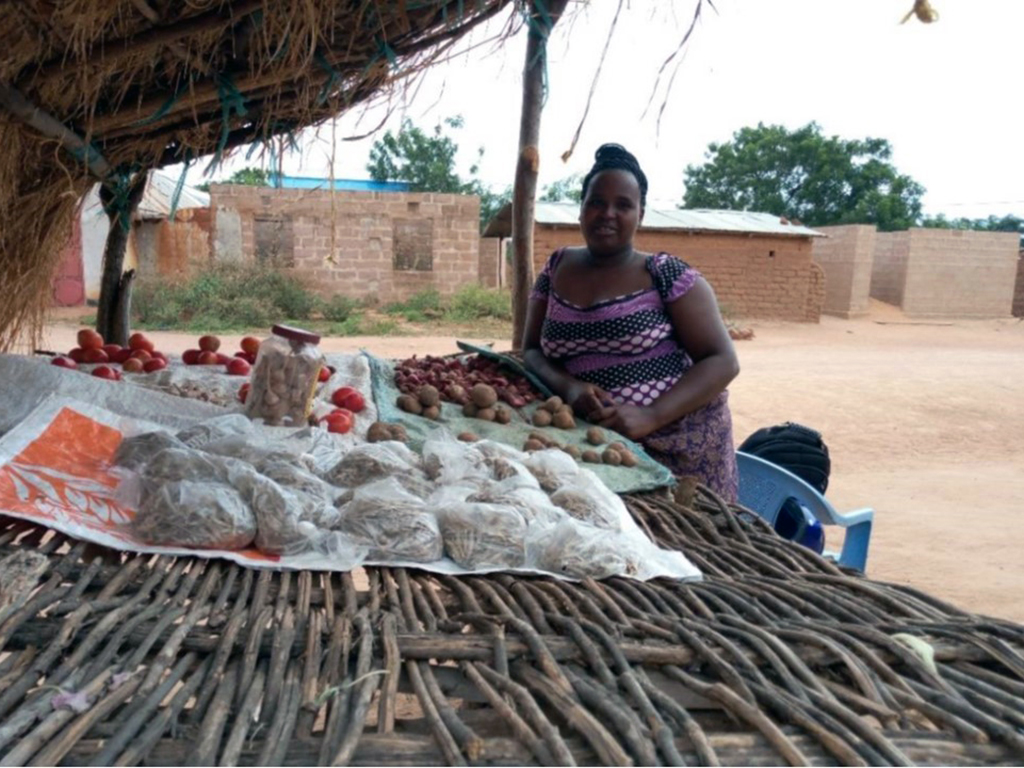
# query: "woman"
x,y
635,341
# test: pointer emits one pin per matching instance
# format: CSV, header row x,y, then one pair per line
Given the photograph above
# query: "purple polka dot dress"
x,y
627,346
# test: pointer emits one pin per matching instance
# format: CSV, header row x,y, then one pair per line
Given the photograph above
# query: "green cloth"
x,y
646,475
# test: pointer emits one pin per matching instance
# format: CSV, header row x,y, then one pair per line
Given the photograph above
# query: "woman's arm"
x,y
700,331
584,398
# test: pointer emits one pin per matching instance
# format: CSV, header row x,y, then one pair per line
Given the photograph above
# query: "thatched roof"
x,y
108,88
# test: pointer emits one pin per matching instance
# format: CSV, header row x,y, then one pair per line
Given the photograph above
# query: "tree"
x,y
804,175
568,189
254,177
1008,223
427,162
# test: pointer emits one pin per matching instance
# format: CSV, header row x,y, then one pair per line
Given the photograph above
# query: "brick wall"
x,y
754,276
490,262
846,255
1018,291
380,245
889,267
956,273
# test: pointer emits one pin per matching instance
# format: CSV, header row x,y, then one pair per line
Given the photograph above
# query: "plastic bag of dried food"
x,y
447,460
577,550
208,431
296,478
374,461
552,468
479,536
586,498
287,523
530,502
188,513
393,523
445,494
501,460
252,449
134,452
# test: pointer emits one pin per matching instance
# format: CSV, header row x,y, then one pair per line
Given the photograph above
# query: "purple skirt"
x,y
700,445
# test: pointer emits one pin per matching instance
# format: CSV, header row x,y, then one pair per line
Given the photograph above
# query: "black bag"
x,y
793,447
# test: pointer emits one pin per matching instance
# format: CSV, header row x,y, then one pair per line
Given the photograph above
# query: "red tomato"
x,y
325,373
133,365
238,367
191,356
111,349
250,345
122,356
89,339
209,343
222,359
139,341
142,354
96,355
339,421
159,355
77,354
63,362
105,372
207,358
243,391
156,364
348,397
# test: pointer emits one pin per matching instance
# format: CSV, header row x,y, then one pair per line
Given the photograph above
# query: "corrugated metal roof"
x,y
697,220
159,192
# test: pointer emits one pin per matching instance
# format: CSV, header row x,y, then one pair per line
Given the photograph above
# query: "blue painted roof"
x,y
358,185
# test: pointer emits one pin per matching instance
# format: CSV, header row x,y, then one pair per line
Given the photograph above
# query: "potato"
x,y
398,433
541,418
378,432
629,458
533,445
470,409
564,420
618,447
572,450
433,412
486,414
409,404
428,395
540,437
468,437
592,457
595,436
502,415
552,404
483,395
611,457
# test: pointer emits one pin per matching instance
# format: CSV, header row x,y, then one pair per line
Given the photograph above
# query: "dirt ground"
x,y
924,422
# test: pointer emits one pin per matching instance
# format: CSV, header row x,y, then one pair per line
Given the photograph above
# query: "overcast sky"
x,y
946,95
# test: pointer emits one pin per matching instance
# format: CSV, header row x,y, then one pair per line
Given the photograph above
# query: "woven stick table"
x,y
777,657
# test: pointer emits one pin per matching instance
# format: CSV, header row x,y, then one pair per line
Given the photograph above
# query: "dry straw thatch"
x,y
145,83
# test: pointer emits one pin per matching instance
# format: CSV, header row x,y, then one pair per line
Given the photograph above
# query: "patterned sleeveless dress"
x,y
627,346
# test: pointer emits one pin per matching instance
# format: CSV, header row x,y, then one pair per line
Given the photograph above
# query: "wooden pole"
x,y
544,14
115,299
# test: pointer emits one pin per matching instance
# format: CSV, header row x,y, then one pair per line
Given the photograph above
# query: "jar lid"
x,y
295,334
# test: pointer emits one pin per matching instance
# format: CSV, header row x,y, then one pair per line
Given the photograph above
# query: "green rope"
x,y
119,184
179,186
332,77
231,101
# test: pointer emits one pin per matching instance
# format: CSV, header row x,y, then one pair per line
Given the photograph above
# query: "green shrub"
x,y
418,307
224,297
338,308
473,302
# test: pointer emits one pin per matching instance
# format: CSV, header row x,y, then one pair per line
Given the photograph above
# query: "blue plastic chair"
x,y
764,487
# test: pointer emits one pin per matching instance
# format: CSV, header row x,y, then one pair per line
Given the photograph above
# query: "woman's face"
x,y
611,212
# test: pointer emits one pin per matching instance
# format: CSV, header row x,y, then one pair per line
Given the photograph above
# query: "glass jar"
x,y
284,378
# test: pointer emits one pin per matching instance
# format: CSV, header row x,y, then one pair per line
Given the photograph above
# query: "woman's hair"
x,y
616,157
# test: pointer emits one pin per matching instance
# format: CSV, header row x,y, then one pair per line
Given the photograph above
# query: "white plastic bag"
x,y
552,468
483,536
586,498
215,429
374,461
447,460
194,514
392,523
577,550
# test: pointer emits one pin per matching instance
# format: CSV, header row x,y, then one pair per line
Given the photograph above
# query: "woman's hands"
x,y
633,421
586,399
